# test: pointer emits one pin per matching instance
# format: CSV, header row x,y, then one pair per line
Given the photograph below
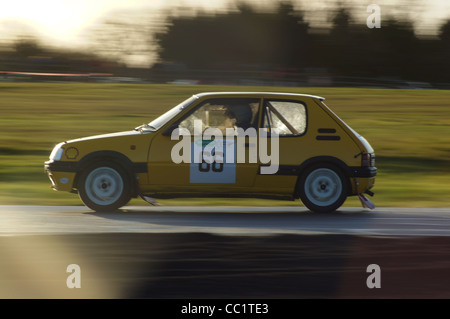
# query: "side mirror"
x,y
168,131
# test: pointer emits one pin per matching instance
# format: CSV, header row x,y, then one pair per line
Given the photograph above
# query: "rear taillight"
x,y
368,160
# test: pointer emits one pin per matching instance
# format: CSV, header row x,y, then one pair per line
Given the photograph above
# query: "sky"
x,y
64,22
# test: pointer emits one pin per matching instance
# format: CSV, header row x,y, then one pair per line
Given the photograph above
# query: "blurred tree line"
x,y
28,54
246,39
283,39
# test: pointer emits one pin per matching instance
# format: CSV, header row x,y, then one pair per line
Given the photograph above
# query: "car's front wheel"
x,y
104,186
323,188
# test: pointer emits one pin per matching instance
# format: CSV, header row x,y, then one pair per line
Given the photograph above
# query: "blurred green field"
x,y
409,130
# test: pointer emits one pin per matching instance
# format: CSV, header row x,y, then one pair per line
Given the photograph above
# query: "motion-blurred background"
x,y
258,42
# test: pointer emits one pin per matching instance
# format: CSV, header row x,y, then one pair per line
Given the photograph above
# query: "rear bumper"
x,y
362,179
362,171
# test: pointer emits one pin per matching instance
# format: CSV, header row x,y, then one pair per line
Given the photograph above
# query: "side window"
x,y
288,117
224,113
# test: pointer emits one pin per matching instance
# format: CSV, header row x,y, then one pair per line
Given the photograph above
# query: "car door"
x,y
284,120
202,155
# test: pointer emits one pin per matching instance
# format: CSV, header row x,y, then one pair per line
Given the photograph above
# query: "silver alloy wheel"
x,y
104,186
323,187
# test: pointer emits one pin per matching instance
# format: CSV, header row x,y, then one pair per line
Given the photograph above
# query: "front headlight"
x,y
57,152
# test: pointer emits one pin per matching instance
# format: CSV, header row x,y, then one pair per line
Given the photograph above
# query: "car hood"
x,y
103,136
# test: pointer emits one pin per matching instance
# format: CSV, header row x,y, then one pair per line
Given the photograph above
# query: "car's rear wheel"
x,y
323,188
104,186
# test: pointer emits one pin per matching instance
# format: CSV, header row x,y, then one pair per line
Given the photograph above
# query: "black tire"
x,y
323,188
104,186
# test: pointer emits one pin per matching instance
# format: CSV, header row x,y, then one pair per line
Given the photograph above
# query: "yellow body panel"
x,y
132,144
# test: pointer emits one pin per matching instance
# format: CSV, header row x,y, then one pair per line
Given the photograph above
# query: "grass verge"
x,y
409,130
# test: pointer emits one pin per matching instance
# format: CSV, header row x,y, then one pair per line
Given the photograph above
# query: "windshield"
x,y
159,122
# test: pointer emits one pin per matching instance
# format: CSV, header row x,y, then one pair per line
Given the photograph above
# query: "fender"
x,y
296,170
112,155
119,158
349,171
317,160
325,159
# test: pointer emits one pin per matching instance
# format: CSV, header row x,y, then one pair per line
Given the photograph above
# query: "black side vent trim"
x,y
326,130
328,137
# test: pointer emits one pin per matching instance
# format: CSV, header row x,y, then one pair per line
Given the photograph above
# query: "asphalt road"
x,y
228,252
15,220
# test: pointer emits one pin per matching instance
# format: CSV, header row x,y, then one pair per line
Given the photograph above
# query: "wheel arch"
x,y
317,161
113,156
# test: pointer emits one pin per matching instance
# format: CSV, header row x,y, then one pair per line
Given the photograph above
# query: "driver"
x,y
242,113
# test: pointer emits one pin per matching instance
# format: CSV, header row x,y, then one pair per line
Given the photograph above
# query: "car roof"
x,y
257,94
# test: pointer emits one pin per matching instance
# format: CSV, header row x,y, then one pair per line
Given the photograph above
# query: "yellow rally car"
x,y
233,144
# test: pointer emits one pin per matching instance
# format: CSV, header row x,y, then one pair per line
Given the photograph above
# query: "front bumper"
x,y
61,175
60,166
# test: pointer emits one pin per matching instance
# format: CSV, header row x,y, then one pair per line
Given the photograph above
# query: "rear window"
x,y
288,117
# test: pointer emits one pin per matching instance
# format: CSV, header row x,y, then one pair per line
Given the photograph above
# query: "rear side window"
x,y
288,117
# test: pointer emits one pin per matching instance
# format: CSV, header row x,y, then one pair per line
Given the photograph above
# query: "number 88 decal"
x,y
216,166
206,167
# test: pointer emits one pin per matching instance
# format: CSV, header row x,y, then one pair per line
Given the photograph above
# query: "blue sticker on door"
x,y
213,161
